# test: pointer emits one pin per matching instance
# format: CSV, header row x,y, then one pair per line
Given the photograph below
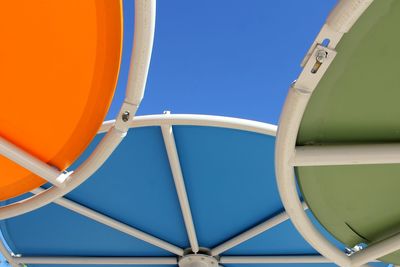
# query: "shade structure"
x,y
60,71
340,127
227,168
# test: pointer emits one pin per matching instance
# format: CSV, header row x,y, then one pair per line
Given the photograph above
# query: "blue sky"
x,y
226,57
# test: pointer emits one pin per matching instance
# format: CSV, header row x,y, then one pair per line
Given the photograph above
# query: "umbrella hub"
x,y
198,260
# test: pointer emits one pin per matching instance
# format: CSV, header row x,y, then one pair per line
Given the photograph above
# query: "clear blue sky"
x,y
226,57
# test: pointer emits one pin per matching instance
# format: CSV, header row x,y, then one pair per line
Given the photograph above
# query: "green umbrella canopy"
x,y
356,102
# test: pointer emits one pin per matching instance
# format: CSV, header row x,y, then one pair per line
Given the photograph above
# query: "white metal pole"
x,y
173,157
376,251
252,232
144,28
98,260
7,254
84,171
32,163
273,259
324,155
101,218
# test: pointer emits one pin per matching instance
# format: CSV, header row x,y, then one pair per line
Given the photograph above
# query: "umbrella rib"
x,y
106,220
8,255
353,154
97,260
173,158
273,259
252,232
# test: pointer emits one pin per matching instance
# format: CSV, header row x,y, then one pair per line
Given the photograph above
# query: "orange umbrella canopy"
x,y
59,63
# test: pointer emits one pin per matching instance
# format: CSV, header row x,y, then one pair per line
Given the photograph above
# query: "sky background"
x,y
225,57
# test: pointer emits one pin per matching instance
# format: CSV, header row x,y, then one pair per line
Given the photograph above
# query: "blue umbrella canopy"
x,y
130,207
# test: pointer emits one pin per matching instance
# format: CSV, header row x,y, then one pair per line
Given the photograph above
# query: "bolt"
x,y
321,55
125,116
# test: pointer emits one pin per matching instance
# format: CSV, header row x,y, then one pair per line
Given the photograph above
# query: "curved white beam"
x,y
376,251
197,120
144,27
291,116
7,254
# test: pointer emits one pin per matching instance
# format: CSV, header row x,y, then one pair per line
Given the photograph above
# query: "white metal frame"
x,y
166,122
287,155
64,182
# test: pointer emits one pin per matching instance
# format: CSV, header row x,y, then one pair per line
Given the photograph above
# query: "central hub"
x,y
198,260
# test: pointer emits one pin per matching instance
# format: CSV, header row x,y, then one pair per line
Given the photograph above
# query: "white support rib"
x,y
32,163
101,218
103,150
7,254
326,155
173,157
197,120
144,28
98,260
273,259
252,232
376,251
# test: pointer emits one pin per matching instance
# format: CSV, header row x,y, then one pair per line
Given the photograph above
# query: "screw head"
x,y
321,55
125,116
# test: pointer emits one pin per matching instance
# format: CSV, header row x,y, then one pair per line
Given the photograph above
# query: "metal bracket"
x,y
315,67
126,114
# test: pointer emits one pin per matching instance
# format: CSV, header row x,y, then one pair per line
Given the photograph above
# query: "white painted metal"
x,y
31,163
84,171
252,232
284,151
273,259
141,52
98,260
145,14
339,21
346,154
197,120
101,218
198,260
291,116
376,251
173,158
346,13
7,254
